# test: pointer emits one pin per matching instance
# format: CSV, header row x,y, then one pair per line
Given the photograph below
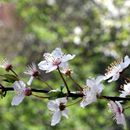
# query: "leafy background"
x,y
29,28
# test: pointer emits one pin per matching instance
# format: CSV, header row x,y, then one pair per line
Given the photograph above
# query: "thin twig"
x,y
45,83
14,72
63,80
76,83
39,96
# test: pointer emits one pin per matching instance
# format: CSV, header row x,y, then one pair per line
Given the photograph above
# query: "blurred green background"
x,y
97,31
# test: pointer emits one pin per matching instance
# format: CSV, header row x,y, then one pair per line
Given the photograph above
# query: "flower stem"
x,y
45,83
63,80
76,83
13,72
73,103
39,96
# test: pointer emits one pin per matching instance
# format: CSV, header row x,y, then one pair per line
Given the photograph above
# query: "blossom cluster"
x,y
88,93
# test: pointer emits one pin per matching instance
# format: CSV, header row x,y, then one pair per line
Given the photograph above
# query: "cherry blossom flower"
x,y
66,70
58,108
21,91
117,110
6,65
54,60
114,69
92,90
126,91
33,72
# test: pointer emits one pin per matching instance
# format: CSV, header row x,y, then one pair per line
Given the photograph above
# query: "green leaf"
x,y
10,78
55,94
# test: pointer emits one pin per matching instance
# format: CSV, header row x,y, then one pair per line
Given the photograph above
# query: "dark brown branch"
x,y
116,98
71,94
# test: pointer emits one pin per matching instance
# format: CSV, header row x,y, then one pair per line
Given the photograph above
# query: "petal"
x,y
57,53
65,113
64,65
121,119
83,103
114,78
99,78
51,68
90,83
43,65
99,88
17,99
61,100
19,85
89,98
123,94
126,62
48,57
52,106
30,80
67,57
56,118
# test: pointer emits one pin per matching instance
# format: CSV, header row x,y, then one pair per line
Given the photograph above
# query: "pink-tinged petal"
x,y
48,57
56,118
121,119
17,99
19,85
117,110
57,53
65,113
32,70
52,106
30,80
67,57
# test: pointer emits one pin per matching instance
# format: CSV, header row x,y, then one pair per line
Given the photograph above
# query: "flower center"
x,y
35,73
8,67
57,62
27,91
62,106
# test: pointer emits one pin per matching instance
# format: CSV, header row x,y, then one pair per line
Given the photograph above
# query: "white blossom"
x,y
58,108
114,70
6,65
126,91
54,60
32,71
21,91
91,91
66,70
117,111
77,30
